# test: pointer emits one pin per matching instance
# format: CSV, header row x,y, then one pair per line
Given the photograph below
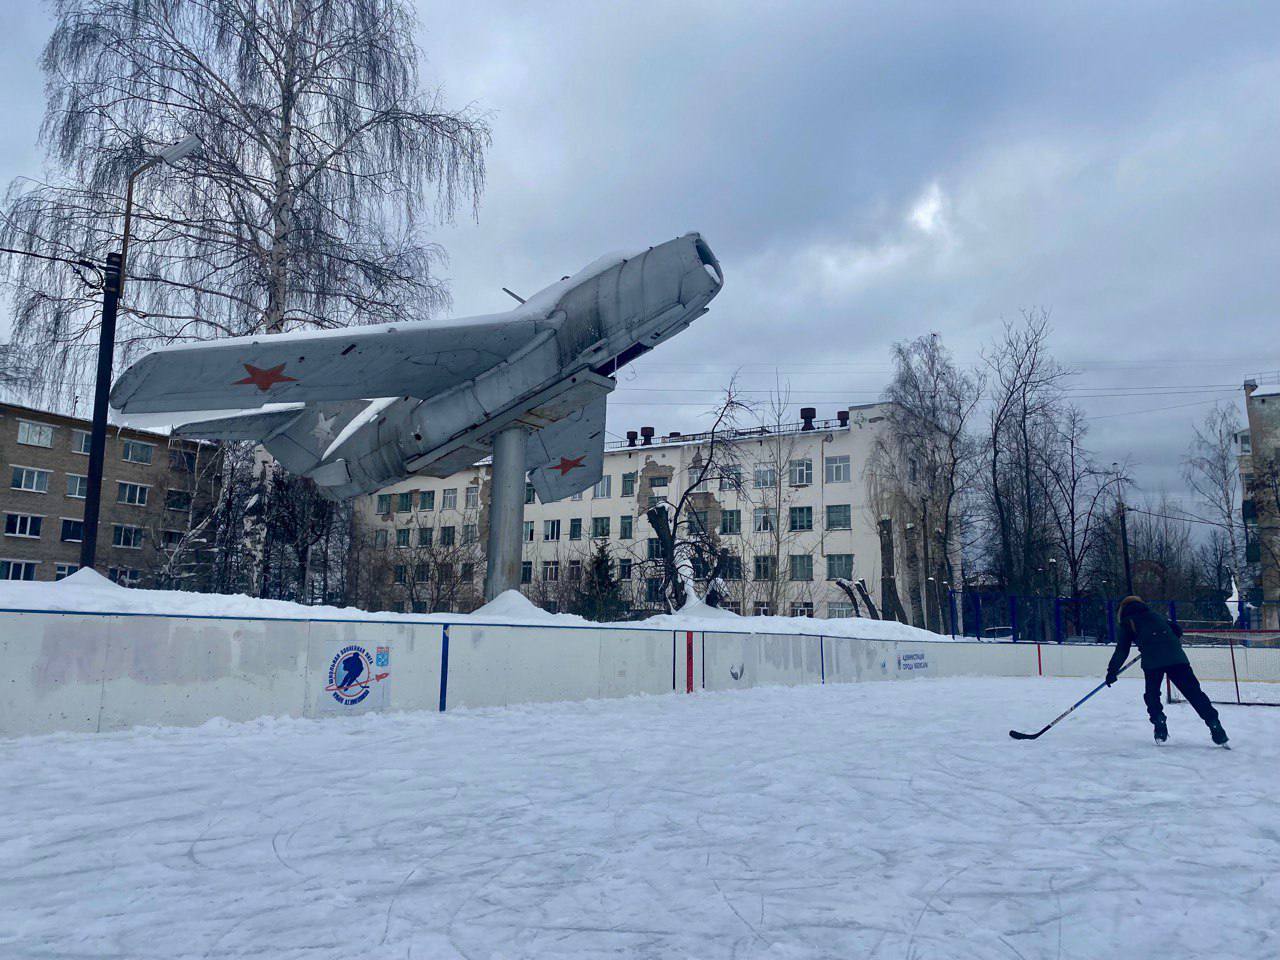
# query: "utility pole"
x,y
101,390
1124,531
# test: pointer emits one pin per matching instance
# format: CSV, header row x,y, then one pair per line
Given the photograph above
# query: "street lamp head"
x,y
183,148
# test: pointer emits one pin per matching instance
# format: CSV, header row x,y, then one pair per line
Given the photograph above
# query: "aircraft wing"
x,y
408,359
567,456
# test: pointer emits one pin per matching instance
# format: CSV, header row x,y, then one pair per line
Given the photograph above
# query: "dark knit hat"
x,y
1126,602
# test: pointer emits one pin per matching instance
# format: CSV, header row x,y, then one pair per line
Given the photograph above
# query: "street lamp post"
x,y
112,287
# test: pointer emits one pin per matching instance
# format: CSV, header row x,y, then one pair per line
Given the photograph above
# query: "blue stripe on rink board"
x,y
444,665
822,658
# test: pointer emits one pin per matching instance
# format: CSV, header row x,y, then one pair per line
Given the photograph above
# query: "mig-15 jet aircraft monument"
x,y
359,408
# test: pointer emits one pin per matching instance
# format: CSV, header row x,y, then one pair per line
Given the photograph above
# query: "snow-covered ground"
x,y
887,820
87,591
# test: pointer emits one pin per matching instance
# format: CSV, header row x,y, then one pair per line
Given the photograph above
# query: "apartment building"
x,y
1259,449
150,494
787,500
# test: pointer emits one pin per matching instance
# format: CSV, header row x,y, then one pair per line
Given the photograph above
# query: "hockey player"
x,y
1162,656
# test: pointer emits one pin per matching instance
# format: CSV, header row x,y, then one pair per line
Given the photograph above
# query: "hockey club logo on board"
x,y
353,672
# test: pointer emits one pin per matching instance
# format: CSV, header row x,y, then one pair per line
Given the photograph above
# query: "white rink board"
x,y
740,660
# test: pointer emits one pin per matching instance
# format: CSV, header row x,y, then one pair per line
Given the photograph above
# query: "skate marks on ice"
x,y
876,820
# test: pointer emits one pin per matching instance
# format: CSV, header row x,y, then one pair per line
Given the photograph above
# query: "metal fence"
x,y
1041,619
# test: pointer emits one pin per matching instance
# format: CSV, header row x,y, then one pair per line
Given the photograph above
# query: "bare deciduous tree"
x,y
323,159
1211,469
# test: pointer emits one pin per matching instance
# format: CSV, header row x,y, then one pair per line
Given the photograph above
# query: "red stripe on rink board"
x,y
688,650
1039,661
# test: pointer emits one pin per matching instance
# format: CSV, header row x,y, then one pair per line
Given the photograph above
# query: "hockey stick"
x,y
1032,736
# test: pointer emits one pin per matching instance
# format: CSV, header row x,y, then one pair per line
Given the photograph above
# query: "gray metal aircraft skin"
x,y
359,408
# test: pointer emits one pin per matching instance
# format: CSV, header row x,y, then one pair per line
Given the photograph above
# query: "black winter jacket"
x,y
1156,637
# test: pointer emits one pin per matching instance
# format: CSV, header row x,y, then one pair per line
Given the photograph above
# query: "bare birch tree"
x,y
1212,471
324,160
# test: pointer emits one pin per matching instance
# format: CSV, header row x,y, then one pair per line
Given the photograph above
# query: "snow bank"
x,y
87,591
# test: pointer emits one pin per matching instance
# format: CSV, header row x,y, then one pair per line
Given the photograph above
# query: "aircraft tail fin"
x,y
567,456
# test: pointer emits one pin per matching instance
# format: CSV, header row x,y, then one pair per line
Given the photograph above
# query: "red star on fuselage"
x,y
266,379
565,464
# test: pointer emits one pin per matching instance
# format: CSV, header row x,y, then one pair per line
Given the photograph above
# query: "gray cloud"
x,y
868,173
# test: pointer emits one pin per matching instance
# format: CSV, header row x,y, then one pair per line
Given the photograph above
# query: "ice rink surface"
x,y
886,820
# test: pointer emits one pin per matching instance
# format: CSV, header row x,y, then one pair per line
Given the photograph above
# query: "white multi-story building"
x,y
789,501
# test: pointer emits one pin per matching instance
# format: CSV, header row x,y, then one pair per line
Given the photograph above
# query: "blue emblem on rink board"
x,y
352,673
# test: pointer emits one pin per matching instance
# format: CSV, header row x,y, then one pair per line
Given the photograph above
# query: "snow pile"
x,y
87,591
887,820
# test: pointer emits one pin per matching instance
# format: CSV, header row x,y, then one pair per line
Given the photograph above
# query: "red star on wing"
x,y
266,379
565,464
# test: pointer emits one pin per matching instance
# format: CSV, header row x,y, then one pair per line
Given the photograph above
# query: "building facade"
x,y
152,498
1260,474
788,501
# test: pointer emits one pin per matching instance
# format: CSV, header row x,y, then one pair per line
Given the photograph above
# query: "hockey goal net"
x,y
1234,666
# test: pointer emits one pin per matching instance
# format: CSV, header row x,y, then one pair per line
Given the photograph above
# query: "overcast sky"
x,y
870,172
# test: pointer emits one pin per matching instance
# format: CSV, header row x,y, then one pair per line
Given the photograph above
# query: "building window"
x,y
444,573
80,441
839,516
177,500
35,434
135,451
22,525
575,528
801,518
470,533
655,548
766,476
448,536
380,539
425,536
603,488
17,570
600,528
31,479
77,486
762,608
550,529
801,566
838,470
628,484
732,569
526,571
125,576
530,495
626,527
551,570
800,472
733,606
63,570
840,566
763,519
384,503
839,610
126,536
653,590
72,530
624,569
471,498
730,523
134,494
730,478
575,570
698,521
659,483
527,531
449,499
419,606
403,535
801,608
182,460
765,567
551,606
404,501
422,573
171,539
654,501
468,573
426,499
401,573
